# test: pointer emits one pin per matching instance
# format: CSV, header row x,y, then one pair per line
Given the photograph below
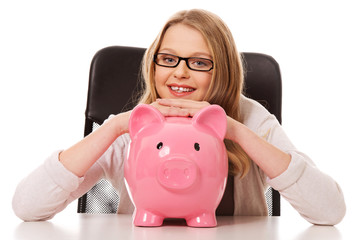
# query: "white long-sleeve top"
x,y
315,195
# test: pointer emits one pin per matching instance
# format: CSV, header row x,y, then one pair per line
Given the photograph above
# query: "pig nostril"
x,y
187,173
166,173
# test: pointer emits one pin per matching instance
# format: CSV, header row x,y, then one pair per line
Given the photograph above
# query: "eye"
x,y
200,63
159,145
167,59
197,146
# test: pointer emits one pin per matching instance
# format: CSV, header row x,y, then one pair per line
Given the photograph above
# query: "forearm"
x,y
315,195
81,156
49,189
269,158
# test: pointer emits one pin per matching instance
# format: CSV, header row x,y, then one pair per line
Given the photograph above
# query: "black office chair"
x,y
114,85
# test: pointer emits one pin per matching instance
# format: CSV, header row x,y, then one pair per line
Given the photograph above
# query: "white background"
x,y
46,48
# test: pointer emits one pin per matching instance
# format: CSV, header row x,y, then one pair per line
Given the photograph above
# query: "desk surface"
x,y
114,226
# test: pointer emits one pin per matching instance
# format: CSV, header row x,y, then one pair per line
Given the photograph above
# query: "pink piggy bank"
x,y
176,167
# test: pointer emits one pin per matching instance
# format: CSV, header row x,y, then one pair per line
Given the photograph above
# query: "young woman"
x,y
192,63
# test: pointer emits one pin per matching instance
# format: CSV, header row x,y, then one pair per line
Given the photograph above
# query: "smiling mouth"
x,y
181,89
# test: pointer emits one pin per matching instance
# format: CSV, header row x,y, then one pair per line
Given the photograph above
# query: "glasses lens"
x,y
200,64
166,60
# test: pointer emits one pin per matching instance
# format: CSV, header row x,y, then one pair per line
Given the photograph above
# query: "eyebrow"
x,y
195,54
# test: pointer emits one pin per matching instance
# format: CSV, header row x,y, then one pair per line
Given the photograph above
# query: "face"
x,y
182,82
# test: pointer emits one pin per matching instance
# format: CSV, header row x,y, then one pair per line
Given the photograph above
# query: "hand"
x,y
188,108
179,107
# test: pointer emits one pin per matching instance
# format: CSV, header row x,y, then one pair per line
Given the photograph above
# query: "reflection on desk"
x,y
115,226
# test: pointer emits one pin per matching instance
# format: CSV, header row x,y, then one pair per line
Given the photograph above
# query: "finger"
x,y
183,103
175,112
175,102
170,111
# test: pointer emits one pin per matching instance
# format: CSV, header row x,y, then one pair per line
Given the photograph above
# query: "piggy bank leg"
x,y
207,219
143,218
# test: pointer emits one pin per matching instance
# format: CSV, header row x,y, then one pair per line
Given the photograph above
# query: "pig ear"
x,y
143,115
213,117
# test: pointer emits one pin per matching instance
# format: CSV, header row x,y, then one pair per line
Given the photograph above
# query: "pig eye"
x,y
197,146
160,145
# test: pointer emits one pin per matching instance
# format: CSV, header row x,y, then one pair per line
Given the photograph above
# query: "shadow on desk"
x,y
43,230
331,233
115,226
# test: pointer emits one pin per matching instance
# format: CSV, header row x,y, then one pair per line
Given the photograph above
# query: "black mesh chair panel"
x,y
114,85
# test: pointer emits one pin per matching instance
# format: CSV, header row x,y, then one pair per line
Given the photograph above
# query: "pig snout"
x,y
177,173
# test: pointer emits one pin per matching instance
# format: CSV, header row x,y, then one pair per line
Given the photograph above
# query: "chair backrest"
x,y
114,84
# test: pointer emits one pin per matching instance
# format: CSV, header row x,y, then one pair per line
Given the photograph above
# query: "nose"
x,y
177,173
182,70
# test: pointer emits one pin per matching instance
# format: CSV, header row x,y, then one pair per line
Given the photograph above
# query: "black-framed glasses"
x,y
193,63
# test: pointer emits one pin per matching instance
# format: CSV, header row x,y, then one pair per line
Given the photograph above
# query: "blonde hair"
x,y
228,75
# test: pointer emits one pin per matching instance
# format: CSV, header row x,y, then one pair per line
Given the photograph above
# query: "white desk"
x,y
113,226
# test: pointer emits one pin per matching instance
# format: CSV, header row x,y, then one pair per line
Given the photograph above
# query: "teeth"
x,y
181,89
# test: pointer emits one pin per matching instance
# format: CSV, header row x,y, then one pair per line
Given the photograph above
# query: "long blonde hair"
x,y
228,75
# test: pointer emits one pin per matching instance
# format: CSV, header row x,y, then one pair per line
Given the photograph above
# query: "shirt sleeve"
x,y
314,194
50,188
